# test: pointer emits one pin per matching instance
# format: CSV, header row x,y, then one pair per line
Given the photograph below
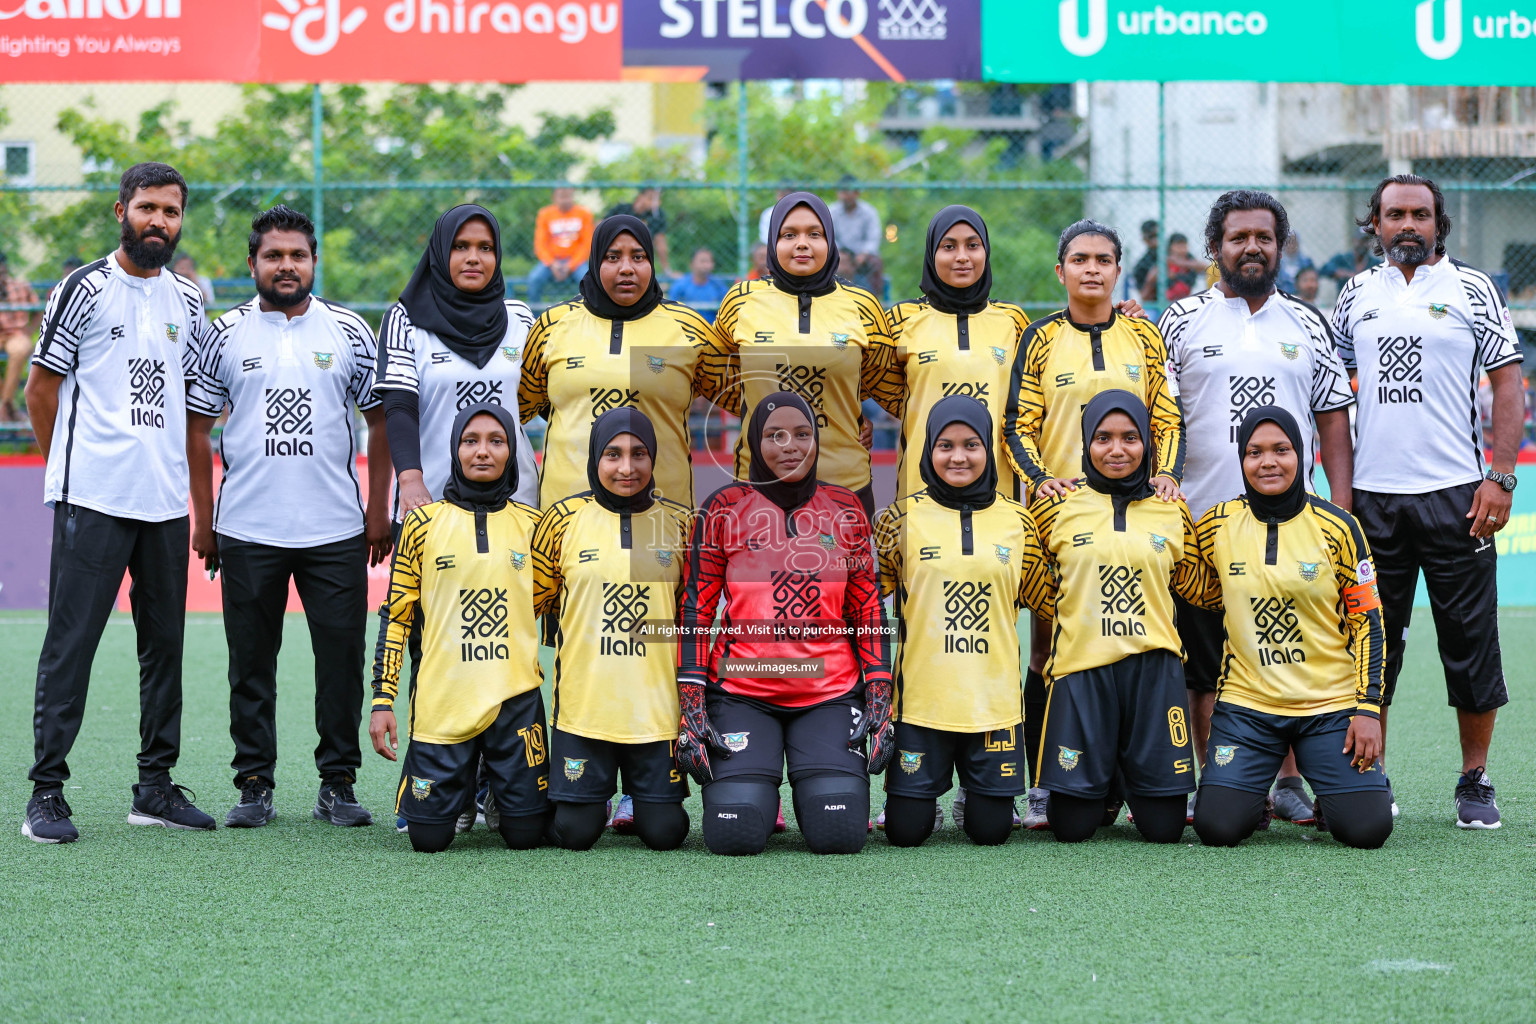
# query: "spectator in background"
x,y
1147,265
1183,272
762,222
16,327
859,233
186,266
647,206
1306,285
562,237
700,289
69,266
759,269
1292,262
1346,265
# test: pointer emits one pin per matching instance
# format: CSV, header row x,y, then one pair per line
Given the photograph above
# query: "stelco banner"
x,y
725,40
1431,42
309,40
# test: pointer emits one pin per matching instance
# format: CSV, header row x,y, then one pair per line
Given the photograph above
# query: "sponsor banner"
x,y
725,40
1430,42
309,40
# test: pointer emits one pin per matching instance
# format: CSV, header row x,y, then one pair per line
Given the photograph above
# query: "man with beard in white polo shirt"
x,y
107,401
290,367
1236,346
1417,332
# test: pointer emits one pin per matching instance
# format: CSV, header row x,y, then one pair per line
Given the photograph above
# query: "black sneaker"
x,y
1475,807
48,821
255,807
167,804
337,805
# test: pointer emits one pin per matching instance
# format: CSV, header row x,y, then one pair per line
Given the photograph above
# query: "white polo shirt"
x,y
126,347
444,382
1224,361
1418,349
288,448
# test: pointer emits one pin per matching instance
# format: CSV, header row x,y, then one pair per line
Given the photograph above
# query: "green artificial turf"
x,y
303,921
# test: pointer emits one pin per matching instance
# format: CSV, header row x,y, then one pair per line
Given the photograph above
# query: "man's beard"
x,y
284,300
145,255
1248,287
1408,255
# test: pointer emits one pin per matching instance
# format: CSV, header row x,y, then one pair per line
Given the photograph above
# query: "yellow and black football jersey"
x,y
577,366
940,354
1109,590
834,355
606,576
474,593
959,579
1060,366
1304,633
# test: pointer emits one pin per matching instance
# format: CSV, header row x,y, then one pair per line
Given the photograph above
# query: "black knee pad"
x,y
661,826
1225,816
833,811
988,819
1073,818
429,838
739,814
577,826
908,820
1159,819
524,832
1361,820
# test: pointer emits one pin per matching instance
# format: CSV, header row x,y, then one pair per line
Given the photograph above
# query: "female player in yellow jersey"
x,y
1064,360
608,562
1302,668
961,560
804,331
619,344
463,569
1116,704
955,340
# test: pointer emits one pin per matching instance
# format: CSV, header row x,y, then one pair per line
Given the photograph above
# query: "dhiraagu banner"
x,y
1428,42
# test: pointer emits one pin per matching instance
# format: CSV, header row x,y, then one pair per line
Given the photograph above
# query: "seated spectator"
x,y
859,233
1183,272
759,269
562,238
1346,265
186,266
647,206
700,289
16,330
1292,262
1306,285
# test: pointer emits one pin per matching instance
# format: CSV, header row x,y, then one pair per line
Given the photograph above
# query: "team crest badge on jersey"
x,y
1067,757
519,559
324,360
664,559
828,541
1437,310
172,333
421,788
575,767
1159,542
998,355
911,761
735,742
1132,371
1308,570
655,364
839,340
1290,351
510,354
1224,755
1003,553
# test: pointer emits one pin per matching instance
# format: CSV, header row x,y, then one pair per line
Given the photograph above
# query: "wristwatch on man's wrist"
x,y
1504,480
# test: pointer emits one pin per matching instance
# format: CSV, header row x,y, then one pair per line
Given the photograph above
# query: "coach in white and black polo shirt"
x,y
290,367
107,400
1417,332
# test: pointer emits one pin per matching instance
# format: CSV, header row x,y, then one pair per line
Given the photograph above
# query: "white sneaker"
x,y
1189,810
957,809
1034,817
938,817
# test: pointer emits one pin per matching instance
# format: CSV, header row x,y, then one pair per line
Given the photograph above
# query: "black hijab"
x,y
979,493
472,324
787,494
623,420
824,280
1138,484
1287,503
946,298
593,294
475,495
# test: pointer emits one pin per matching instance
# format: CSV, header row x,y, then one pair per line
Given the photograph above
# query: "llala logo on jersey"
x,y
839,340
735,742
655,364
911,761
519,559
324,360
998,355
1133,371
1308,570
1290,351
510,353
967,616
1224,755
575,767
1003,553
421,788
1159,542
1067,757
1437,310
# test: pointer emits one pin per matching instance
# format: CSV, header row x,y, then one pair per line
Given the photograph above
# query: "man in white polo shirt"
x,y
1417,332
107,401
1241,344
290,367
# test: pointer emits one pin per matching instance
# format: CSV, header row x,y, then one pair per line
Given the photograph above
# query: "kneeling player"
x,y
607,561
799,673
1302,668
957,553
463,569
1117,702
